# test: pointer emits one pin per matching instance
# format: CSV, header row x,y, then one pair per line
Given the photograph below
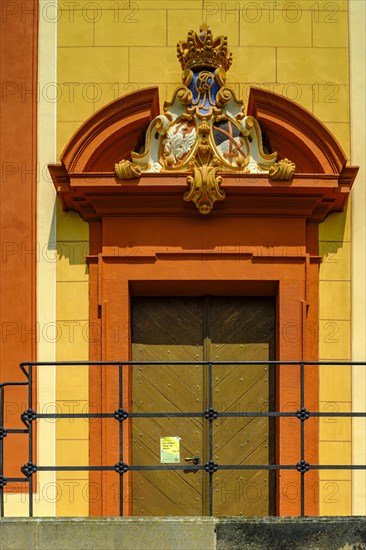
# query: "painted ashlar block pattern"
x,y
299,50
335,344
72,383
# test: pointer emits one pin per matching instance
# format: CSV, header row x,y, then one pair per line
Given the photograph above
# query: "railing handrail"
x,y
197,362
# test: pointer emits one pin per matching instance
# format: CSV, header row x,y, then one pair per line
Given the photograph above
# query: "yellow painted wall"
x,y
72,382
335,344
299,50
358,236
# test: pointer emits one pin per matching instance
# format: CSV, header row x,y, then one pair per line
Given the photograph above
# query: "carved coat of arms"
x,y
204,128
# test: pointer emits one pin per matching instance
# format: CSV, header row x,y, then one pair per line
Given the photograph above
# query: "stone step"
x,y
188,533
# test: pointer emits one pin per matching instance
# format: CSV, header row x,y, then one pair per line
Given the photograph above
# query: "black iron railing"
x,y
121,414
3,434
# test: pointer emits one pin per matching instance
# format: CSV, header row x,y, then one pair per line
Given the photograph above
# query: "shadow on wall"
x,y
334,247
72,240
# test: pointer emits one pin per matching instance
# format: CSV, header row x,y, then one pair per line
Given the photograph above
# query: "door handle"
x,y
194,459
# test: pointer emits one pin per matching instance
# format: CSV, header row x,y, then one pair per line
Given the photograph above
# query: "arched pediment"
x,y
296,133
86,183
204,148
112,131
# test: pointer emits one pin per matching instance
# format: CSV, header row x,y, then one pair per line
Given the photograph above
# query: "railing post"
x,y
302,406
30,440
2,435
120,405
302,414
210,443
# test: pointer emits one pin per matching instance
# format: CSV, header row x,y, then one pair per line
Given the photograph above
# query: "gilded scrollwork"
x,y
223,96
184,95
126,170
204,128
162,124
284,169
204,186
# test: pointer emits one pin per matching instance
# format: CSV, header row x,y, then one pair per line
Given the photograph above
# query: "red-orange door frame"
x,y
179,267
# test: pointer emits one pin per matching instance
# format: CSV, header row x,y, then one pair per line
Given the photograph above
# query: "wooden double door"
x,y
200,329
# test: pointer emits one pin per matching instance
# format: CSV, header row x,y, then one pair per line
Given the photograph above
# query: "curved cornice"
x,y
111,132
296,133
85,180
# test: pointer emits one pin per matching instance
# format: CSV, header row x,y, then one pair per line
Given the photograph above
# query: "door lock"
x,y
194,459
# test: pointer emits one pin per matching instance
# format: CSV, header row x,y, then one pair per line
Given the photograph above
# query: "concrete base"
x,y
274,533
107,533
175,533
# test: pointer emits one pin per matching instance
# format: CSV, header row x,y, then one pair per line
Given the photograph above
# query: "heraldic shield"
x,y
231,145
179,144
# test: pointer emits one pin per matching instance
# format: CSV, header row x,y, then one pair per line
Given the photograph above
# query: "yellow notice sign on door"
x,y
170,450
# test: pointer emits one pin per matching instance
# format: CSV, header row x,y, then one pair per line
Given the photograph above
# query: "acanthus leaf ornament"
x,y
126,170
204,128
204,186
284,169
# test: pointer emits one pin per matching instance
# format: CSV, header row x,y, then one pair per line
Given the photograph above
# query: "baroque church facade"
x,y
183,199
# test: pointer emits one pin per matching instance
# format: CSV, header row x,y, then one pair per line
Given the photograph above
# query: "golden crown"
x,y
202,50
